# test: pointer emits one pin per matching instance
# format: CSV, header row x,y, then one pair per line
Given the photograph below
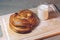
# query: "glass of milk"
x,y
44,9
42,12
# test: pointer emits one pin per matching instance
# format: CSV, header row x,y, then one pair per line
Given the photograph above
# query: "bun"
x,y
23,21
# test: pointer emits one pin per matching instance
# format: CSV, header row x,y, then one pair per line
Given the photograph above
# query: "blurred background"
x,y
9,6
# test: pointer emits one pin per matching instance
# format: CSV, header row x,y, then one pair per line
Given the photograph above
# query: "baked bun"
x,y
23,21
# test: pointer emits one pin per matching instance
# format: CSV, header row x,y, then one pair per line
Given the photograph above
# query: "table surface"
x,y
10,6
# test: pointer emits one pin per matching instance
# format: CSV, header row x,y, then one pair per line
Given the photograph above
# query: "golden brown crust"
x,y
24,21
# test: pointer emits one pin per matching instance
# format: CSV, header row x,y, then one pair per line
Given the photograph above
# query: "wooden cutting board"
x,y
47,27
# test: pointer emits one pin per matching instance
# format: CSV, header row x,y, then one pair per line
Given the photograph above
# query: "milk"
x,y
42,12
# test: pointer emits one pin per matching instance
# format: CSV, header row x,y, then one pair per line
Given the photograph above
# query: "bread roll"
x,y
23,21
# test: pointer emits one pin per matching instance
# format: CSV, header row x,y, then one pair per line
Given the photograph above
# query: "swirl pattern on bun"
x,y
23,21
